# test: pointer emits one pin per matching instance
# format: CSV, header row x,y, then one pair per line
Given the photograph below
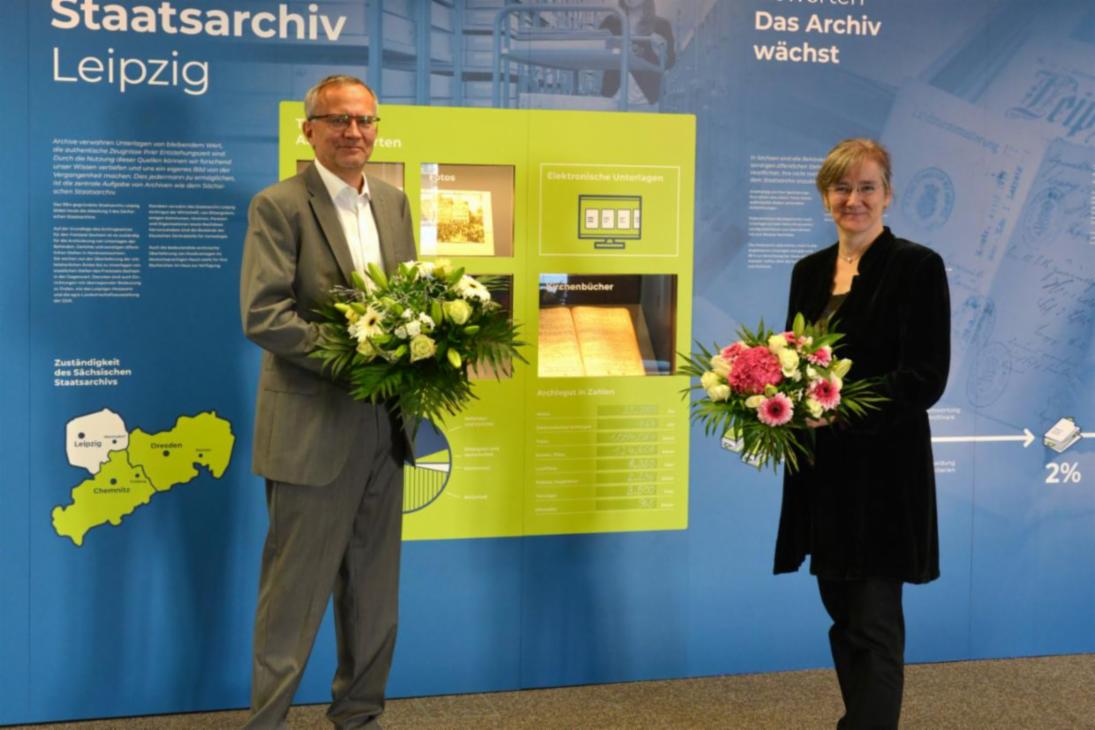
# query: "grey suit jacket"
x,y
295,251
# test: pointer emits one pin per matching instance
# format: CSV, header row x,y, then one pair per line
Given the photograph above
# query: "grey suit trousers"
x,y
340,539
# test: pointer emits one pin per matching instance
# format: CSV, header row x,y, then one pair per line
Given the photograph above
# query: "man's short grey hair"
x,y
312,97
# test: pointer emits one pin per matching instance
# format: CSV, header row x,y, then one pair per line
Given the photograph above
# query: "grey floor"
x,y
1037,694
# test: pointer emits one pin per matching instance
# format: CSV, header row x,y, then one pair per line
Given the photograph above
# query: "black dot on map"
x,y
113,481
166,452
113,441
80,435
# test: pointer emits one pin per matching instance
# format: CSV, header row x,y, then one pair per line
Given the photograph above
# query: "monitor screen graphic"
x,y
610,220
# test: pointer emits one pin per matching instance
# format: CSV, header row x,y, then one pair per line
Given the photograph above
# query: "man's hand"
x,y
819,423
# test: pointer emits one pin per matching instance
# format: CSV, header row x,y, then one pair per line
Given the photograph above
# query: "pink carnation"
x,y
729,354
754,368
790,337
822,356
826,393
775,411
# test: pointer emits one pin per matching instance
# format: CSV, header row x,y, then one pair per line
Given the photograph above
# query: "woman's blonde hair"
x,y
850,153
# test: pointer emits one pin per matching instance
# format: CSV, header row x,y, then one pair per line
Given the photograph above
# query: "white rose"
x,y
720,365
719,393
457,311
788,361
422,347
776,343
710,379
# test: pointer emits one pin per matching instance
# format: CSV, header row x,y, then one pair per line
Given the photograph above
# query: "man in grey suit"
x,y
333,466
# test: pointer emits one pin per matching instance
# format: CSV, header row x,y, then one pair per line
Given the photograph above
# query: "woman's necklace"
x,y
849,259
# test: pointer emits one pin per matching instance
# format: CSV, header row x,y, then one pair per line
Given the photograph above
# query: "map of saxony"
x,y
129,468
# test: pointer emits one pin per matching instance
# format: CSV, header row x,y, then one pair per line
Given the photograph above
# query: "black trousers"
x,y
868,644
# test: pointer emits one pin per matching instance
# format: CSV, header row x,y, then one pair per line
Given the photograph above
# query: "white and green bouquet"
x,y
410,338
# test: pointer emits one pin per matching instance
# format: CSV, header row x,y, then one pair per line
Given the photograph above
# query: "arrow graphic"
x,y
1027,438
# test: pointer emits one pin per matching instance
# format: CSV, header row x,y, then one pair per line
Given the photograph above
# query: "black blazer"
x,y
866,507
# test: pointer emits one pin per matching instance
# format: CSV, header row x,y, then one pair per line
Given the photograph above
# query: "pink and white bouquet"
x,y
767,392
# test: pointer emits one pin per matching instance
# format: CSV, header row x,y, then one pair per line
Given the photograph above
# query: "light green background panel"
x,y
609,209
609,453
482,497
609,155
487,441
292,145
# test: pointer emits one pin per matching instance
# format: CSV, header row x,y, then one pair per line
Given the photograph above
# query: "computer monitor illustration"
x,y
610,220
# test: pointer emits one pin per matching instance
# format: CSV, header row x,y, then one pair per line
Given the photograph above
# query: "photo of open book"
x,y
591,340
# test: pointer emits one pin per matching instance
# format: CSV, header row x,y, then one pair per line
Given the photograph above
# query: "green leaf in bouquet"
x,y
859,397
392,305
695,365
799,325
377,275
436,312
336,349
453,357
840,367
829,339
455,276
359,281
772,446
471,329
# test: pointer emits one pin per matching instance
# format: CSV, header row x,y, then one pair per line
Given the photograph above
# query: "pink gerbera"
x,y
754,368
775,411
826,393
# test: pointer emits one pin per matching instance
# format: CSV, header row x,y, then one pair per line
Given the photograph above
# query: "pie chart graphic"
x,y
424,481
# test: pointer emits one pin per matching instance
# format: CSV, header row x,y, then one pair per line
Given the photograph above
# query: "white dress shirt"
x,y
356,217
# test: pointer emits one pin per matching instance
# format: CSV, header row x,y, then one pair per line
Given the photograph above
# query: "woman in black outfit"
x,y
864,510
